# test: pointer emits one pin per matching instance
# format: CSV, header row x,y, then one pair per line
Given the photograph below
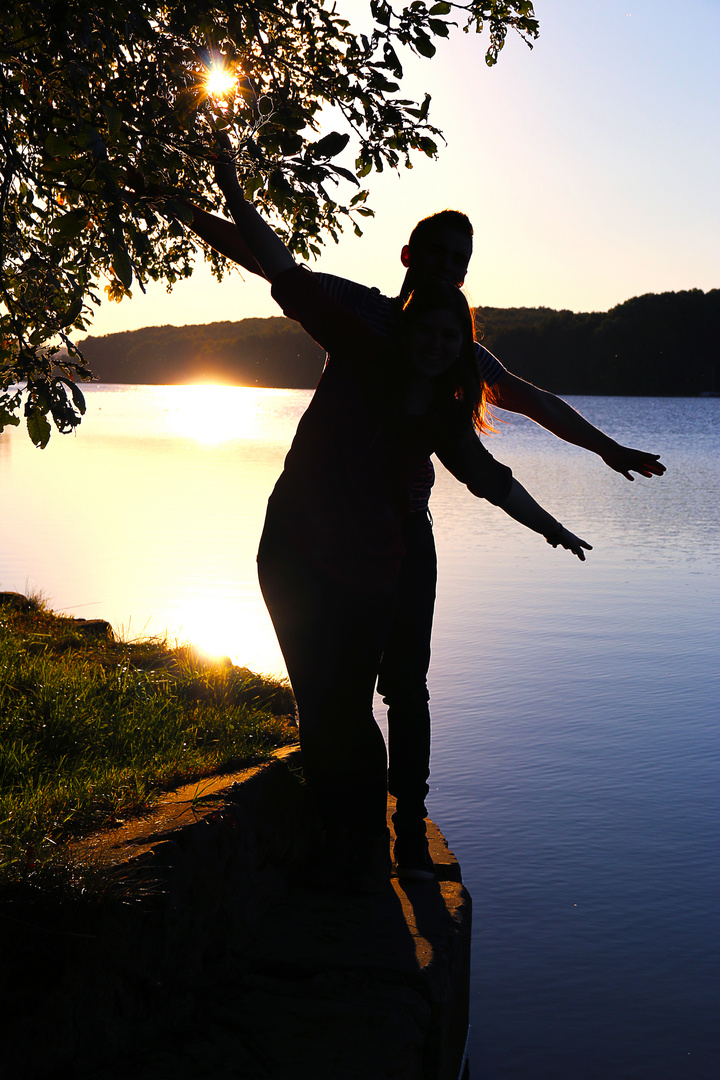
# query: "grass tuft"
x,y
93,731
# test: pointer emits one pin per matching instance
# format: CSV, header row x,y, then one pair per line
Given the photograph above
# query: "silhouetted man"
x,y
439,247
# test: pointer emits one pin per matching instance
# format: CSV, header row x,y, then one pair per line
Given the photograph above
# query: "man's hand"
x,y
623,459
557,416
264,245
135,185
226,176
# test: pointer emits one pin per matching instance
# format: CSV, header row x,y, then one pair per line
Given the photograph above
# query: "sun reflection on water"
x,y
162,536
240,628
211,413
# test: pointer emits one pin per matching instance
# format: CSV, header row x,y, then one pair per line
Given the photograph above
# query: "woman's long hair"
x,y
462,380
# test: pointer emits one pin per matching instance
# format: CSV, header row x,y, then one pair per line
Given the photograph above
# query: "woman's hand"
x,y
520,505
564,538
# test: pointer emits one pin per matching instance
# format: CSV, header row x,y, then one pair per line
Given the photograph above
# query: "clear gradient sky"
x,y
589,165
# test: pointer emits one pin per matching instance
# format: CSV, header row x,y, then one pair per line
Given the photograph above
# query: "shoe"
x,y
413,860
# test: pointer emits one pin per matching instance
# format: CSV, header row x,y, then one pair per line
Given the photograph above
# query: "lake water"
x,y
576,755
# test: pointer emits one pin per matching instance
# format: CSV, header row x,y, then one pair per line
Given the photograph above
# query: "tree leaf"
x,y
330,145
424,45
180,210
7,418
71,224
113,117
121,267
346,174
72,312
57,146
77,394
38,427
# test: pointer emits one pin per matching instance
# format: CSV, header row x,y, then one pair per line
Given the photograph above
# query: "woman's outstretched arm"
x,y
472,464
217,232
520,505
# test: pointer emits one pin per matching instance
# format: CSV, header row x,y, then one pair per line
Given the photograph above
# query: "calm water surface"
x,y
576,756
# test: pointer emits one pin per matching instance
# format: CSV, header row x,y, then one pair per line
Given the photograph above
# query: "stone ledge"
x,y
218,963
194,804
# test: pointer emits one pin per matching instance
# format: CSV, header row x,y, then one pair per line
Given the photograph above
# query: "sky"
x,y
589,166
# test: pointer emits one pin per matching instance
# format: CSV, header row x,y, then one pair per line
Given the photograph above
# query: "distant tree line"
x,y
662,344
658,344
252,352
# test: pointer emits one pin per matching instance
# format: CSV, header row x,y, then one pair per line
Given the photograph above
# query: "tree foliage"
x,y
102,98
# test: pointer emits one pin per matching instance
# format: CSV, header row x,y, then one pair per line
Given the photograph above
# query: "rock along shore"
x,y
212,960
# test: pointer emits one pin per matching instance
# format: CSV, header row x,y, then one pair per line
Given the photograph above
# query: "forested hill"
x,y
252,352
659,344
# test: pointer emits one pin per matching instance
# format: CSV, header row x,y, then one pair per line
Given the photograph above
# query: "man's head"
x,y
440,247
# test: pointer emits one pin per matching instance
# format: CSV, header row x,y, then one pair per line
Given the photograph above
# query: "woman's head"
x,y
438,336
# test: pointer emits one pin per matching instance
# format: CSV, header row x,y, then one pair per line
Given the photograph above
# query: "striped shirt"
x,y
381,313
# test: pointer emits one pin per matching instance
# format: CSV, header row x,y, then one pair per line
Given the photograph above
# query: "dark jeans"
x,y
332,637
335,639
403,677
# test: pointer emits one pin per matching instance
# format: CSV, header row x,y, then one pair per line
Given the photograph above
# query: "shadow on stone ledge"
x,y
230,967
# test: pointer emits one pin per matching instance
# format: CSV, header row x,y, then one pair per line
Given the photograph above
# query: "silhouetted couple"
x,y
347,559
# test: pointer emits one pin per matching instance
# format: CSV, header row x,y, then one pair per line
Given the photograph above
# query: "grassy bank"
x,y
93,730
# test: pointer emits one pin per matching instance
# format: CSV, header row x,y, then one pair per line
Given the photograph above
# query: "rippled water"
x,y
576,754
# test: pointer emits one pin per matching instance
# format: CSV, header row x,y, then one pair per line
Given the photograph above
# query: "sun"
x,y
219,81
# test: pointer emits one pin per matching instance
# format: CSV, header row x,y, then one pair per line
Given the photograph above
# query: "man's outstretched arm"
x,y
225,237
219,233
551,412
